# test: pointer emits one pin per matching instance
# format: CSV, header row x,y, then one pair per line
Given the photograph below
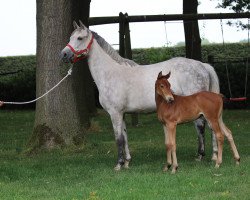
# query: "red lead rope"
x,y
79,55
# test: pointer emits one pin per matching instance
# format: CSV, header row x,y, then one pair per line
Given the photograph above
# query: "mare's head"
x,y
163,87
79,45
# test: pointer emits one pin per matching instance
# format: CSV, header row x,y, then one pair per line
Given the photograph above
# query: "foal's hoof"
x,y
238,161
174,170
216,166
118,167
166,167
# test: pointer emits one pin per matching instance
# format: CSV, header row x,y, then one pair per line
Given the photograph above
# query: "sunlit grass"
x,y
87,173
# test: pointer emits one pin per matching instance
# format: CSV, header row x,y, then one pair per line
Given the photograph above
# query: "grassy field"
x,y
87,172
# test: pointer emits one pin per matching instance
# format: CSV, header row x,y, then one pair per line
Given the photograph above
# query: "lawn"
x,y
86,172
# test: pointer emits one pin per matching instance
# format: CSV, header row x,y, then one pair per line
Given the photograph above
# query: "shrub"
x,y
21,86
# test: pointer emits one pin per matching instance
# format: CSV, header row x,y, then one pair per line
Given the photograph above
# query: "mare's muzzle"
x,y
67,55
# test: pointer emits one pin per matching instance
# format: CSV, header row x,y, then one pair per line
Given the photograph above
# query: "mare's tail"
x,y
214,85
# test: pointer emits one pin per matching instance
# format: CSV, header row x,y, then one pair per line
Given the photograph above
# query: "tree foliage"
x,y
238,6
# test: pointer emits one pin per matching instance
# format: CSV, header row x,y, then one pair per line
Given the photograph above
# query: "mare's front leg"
x,y
117,122
127,153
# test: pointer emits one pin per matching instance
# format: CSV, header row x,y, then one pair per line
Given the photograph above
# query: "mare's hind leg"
x,y
215,146
200,128
127,153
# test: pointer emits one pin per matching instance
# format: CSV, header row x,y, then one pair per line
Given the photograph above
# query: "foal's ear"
x,y
82,25
75,25
159,75
168,75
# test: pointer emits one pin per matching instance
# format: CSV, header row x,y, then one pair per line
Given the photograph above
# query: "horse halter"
x,y
81,54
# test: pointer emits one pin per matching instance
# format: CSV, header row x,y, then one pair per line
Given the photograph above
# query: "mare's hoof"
x,y
126,164
214,157
118,167
199,158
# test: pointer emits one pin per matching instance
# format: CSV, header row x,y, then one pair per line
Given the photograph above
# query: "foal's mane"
x,y
111,51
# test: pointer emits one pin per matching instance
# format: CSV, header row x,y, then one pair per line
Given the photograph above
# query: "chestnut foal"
x,y
173,110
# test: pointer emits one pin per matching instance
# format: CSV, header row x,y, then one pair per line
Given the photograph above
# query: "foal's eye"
x,y
162,86
79,38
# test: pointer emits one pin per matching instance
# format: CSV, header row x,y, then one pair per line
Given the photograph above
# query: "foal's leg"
x,y
168,149
174,157
117,120
170,129
220,140
230,139
127,153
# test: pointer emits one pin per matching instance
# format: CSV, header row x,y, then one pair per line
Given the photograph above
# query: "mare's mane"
x,y
111,51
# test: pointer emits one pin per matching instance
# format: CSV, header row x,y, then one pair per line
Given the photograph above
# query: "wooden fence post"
x,y
125,48
121,34
128,50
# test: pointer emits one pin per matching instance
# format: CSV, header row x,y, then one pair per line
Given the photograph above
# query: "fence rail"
x,y
175,17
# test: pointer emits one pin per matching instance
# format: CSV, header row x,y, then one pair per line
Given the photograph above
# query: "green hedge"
x,y
222,54
21,86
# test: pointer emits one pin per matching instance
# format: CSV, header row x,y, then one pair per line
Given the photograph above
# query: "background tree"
x,y
191,29
237,6
62,116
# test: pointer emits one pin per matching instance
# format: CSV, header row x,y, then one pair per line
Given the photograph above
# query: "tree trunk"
x,y
80,11
191,28
61,116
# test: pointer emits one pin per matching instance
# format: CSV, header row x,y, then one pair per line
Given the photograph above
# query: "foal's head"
x,y
162,87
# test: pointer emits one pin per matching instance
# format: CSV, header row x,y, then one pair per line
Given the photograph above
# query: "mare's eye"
x,y
79,38
162,86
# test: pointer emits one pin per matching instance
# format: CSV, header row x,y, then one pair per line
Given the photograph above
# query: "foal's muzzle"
x,y
169,99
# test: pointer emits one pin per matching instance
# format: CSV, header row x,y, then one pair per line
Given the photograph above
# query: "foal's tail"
x,y
214,80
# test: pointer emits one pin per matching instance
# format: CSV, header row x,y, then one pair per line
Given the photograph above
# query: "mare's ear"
x,y
82,25
75,25
159,75
168,75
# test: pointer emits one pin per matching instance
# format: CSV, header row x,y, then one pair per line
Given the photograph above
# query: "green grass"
x,y
87,172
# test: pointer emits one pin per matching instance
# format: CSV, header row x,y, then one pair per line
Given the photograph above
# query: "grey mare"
x,y
126,87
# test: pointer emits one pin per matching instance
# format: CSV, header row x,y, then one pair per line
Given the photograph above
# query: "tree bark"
x,y
62,116
191,29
